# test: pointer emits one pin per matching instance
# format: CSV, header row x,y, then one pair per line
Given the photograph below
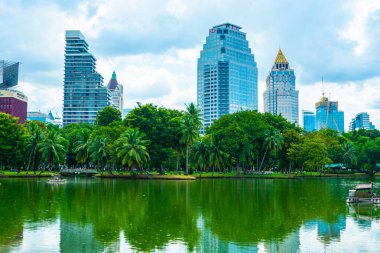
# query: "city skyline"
x,y
344,32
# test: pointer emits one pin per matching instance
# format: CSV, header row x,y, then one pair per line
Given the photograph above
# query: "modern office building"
x,y
14,103
361,121
281,96
116,92
328,115
227,74
84,92
8,74
308,118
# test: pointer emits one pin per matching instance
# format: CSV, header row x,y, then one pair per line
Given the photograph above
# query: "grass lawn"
x,y
7,173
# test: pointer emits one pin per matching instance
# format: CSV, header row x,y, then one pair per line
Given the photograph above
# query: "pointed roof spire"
x,y
112,84
280,58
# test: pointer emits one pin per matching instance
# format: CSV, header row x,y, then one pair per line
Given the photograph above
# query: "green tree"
x,y
349,154
200,155
217,157
99,152
272,143
36,136
81,146
370,156
189,135
131,148
108,115
53,148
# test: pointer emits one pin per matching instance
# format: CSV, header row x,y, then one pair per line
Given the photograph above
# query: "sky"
x,y
153,45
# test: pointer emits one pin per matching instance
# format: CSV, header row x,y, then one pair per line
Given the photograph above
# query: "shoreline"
x,y
194,177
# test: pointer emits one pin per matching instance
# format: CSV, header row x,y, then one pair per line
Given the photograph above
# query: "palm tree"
x,y
131,148
200,155
272,142
349,154
99,152
217,156
195,115
81,146
189,135
53,147
32,147
190,126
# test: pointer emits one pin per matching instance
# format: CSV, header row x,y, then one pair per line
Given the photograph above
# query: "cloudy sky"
x,y
153,46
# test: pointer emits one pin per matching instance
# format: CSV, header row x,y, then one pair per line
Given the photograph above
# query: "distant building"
x,y
281,96
84,93
47,118
39,116
14,103
227,74
328,115
361,121
308,118
8,74
126,111
116,91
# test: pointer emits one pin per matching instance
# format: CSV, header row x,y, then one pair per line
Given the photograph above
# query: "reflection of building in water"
x,y
290,244
364,214
209,242
80,238
328,231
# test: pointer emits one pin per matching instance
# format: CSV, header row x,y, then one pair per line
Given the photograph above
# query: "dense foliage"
x,y
156,138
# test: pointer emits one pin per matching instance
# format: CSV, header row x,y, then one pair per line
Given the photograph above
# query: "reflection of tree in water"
x,y
151,214
24,200
265,210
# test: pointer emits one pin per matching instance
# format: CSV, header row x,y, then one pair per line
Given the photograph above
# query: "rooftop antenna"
x,y
323,88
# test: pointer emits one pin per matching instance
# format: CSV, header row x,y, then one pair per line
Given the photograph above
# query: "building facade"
x,y
39,116
8,74
84,93
281,96
361,121
308,118
14,103
328,115
227,74
116,92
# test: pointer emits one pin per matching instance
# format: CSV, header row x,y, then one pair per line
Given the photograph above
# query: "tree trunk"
x,y
262,161
187,160
178,155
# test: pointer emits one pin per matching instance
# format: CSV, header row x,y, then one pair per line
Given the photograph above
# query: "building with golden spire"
x,y
281,96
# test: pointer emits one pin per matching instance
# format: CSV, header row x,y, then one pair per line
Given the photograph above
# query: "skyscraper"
x,y
116,91
8,74
281,96
361,121
308,120
84,93
328,115
227,74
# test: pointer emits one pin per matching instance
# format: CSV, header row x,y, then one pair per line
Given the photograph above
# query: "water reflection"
x,y
91,215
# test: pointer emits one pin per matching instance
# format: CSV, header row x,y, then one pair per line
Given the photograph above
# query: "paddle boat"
x,y
363,193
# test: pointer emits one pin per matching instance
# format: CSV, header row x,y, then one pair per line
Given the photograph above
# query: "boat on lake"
x,y
57,180
363,193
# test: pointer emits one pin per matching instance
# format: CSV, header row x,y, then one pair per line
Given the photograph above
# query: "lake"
x,y
220,215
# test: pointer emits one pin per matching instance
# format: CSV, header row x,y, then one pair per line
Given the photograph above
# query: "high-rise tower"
x,y
227,74
116,91
281,96
328,115
84,93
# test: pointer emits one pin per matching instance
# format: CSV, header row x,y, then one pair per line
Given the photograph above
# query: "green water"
x,y
248,215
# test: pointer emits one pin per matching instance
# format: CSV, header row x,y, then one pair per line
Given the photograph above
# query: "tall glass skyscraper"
x,y
84,93
116,92
328,115
227,74
361,121
308,120
281,96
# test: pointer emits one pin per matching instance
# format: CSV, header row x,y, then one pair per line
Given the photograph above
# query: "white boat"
x,y
363,193
57,180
